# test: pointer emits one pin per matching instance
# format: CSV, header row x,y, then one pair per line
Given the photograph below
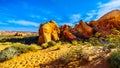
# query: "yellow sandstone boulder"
x,y
48,32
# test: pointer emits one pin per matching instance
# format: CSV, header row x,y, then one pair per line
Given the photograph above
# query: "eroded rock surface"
x,y
66,33
82,30
48,32
107,23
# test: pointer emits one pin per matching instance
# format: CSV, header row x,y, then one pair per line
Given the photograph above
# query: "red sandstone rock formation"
x,y
82,30
107,22
110,20
66,33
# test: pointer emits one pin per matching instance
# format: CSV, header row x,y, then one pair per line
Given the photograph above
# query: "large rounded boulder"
x,y
48,32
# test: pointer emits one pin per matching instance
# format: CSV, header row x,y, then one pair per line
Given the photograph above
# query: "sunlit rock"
x,y
48,32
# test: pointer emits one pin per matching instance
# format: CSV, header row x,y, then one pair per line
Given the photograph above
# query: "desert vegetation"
x,y
64,53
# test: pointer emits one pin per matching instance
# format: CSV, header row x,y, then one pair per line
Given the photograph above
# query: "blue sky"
x,y
27,15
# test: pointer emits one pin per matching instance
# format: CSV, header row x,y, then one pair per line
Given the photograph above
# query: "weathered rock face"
x,y
82,30
48,32
107,22
92,23
110,20
66,33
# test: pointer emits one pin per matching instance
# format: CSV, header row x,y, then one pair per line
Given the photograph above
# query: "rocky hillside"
x,y
106,23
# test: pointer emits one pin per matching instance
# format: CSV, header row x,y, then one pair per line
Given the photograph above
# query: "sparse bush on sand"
x,y
114,40
115,59
46,45
74,42
73,52
51,43
16,50
8,53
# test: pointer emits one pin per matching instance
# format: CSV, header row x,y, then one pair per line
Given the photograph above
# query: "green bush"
x,y
34,47
46,45
115,59
51,43
114,40
74,42
16,50
8,53
95,41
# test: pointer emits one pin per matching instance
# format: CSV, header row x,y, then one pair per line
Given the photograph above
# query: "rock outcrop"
x,y
19,34
107,22
66,33
82,30
48,32
110,20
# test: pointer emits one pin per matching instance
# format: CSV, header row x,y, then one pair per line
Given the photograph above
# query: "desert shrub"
x,y
51,43
46,45
97,34
16,50
34,47
114,40
74,42
5,43
80,42
26,48
73,52
95,41
115,59
8,53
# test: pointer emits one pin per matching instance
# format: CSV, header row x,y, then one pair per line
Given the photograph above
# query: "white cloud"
x,y
67,23
72,20
39,17
24,22
107,7
35,16
90,15
102,9
75,18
